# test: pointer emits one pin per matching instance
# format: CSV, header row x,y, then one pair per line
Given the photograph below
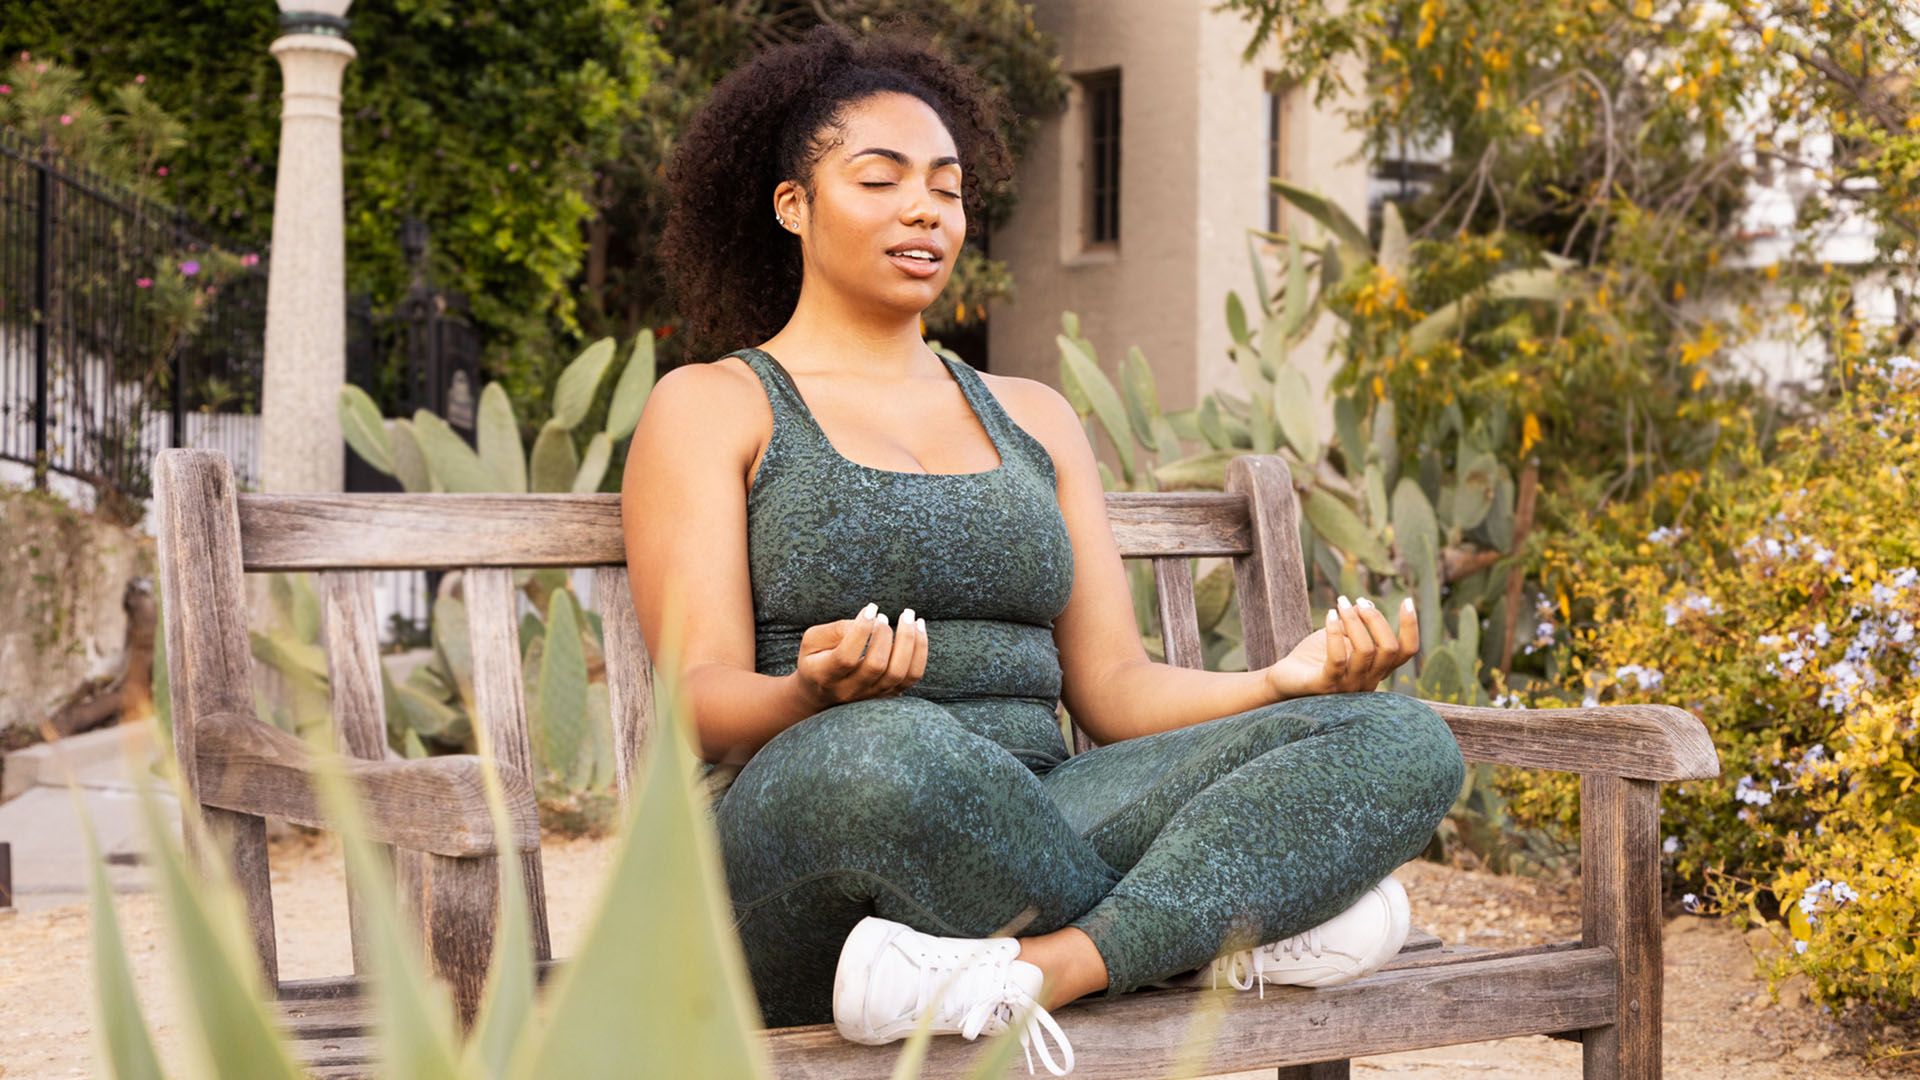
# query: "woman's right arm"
x,y
683,512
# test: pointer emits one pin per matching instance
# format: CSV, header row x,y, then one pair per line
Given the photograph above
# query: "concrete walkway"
x,y
40,822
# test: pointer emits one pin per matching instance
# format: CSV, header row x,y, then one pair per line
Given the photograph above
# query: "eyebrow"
x,y
901,158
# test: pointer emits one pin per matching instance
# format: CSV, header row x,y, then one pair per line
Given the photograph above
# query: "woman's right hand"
x,y
831,666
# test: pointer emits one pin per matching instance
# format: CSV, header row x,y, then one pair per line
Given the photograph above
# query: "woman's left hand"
x,y
1356,650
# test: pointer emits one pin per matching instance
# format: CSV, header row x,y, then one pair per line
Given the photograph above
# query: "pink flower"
x,y
41,67
25,55
189,268
250,259
162,170
5,89
65,119
138,79
513,166
144,283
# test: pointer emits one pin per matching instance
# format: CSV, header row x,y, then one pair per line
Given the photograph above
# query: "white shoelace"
x,y
983,999
1307,941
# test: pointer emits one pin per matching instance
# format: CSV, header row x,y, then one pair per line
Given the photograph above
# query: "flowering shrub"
x,y
1778,600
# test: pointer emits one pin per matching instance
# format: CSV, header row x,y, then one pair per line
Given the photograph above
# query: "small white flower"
x,y
1799,946
1670,845
1843,893
1747,792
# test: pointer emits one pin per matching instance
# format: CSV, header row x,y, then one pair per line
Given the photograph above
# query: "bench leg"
x,y
1620,909
1319,1070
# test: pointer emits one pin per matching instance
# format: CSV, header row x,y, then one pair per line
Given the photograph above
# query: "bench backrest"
x,y
211,536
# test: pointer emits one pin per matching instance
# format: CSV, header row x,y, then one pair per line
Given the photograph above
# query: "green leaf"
x,y
593,467
121,1029
1293,407
1342,528
1346,429
454,463
1237,317
1078,367
1211,427
499,438
1205,471
630,393
1295,319
1329,214
1393,240
221,986
554,462
578,384
363,429
451,647
409,461
1473,489
1142,399
625,997
1211,595
562,692
1260,293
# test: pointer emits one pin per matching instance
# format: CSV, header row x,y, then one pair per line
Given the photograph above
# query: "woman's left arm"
x,y
1113,689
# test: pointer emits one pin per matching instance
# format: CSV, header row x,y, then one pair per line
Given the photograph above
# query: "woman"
x,y
893,568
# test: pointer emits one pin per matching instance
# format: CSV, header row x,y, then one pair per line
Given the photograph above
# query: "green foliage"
x,y
126,140
622,999
1357,540
488,122
1778,601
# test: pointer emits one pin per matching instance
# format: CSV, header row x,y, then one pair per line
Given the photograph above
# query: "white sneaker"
x,y
890,975
1340,950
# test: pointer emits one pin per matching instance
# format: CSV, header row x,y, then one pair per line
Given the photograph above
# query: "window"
x,y
1276,147
1102,94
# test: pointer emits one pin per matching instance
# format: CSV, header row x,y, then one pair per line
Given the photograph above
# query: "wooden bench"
x,y
1603,989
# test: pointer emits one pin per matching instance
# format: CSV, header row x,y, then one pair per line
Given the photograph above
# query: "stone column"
x,y
306,347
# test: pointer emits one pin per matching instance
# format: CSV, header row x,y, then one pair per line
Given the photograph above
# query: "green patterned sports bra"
x,y
984,557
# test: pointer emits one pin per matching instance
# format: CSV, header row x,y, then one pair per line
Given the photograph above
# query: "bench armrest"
x,y
436,805
1639,742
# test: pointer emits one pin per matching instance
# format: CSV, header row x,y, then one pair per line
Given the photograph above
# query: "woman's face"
x,y
893,178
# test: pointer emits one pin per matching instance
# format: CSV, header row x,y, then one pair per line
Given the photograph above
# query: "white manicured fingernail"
x,y
1345,603
922,624
1331,617
1364,602
867,612
906,617
881,618
1407,604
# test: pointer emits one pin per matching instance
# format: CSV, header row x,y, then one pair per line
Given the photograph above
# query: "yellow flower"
x,y
1534,129
1679,290
1773,271
1379,388
960,311
1529,433
1699,379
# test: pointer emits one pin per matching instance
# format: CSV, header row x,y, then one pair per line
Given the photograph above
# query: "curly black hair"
x,y
732,272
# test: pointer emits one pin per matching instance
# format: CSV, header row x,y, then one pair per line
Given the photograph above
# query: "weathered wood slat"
x,y
359,721
353,664
336,1009
629,674
1644,742
431,804
1620,912
1179,618
1271,581
1392,1009
449,531
209,659
493,633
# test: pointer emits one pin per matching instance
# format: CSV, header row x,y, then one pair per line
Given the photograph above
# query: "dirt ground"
x,y
1720,1020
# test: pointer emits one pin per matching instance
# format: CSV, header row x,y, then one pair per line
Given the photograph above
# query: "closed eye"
x,y
889,183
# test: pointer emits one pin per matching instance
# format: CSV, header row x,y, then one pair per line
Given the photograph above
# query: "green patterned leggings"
x,y
1167,850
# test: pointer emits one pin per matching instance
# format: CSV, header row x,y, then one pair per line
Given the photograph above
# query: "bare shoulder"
x,y
1041,411
716,406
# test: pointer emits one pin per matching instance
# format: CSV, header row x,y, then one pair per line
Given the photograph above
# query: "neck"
x,y
842,336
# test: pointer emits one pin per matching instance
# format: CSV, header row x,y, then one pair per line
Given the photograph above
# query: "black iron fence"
x,y
123,329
